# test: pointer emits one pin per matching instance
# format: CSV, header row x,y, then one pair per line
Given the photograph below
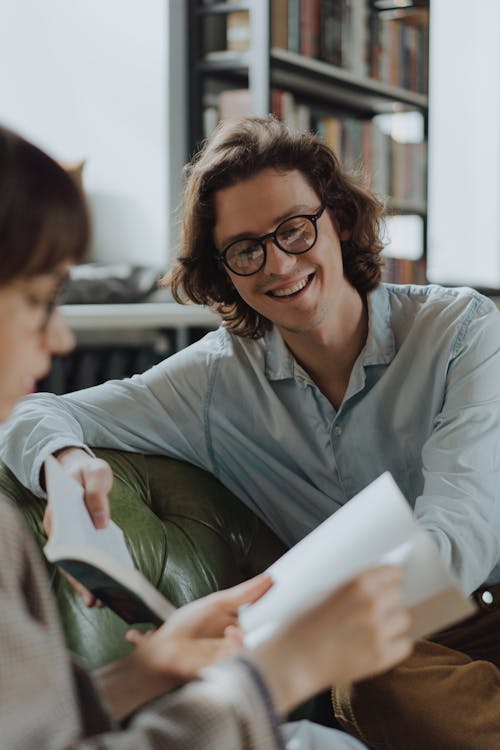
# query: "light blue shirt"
x,y
423,402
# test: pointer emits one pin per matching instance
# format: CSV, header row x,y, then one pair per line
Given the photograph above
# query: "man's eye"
x,y
247,253
293,232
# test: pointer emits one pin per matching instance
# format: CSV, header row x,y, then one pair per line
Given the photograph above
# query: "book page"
x,y
98,558
376,527
72,524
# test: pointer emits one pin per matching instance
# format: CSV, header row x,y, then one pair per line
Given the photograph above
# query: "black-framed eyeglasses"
x,y
295,235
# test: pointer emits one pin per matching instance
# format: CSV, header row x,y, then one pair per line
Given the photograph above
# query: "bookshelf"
x,y
353,70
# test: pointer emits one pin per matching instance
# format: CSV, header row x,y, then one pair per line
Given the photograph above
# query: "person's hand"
x,y
194,637
96,478
198,634
359,630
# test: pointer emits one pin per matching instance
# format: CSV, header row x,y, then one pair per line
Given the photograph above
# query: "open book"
x,y
98,558
376,527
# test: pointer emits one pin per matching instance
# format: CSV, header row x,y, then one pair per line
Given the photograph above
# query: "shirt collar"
x,y
280,362
379,347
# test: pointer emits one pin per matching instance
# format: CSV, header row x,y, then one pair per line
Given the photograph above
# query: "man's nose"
x,y
277,261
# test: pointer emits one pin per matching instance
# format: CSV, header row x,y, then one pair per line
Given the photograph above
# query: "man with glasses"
x,y
320,379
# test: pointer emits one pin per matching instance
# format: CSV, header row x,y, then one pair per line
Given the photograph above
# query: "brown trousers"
x,y
446,696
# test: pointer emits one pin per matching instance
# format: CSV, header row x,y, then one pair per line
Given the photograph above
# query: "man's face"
x,y
298,293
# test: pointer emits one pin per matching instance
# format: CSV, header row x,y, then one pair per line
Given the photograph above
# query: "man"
x,y
321,379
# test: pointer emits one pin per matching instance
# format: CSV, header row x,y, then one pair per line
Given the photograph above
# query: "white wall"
x,y
89,79
464,143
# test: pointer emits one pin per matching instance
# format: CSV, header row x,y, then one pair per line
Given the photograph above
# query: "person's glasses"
x,y
52,304
295,235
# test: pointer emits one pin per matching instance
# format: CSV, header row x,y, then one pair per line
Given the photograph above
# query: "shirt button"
x,y
487,598
338,430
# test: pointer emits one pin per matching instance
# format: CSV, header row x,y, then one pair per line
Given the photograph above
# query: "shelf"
x,y
319,80
396,206
337,86
225,60
149,315
223,8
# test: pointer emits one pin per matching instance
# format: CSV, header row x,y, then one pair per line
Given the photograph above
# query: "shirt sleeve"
x,y
461,458
160,411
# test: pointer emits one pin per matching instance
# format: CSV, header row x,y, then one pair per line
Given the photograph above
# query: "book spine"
x,y
294,26
279,24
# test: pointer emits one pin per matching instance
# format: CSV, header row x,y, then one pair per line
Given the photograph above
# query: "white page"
x,y
76,527
376,527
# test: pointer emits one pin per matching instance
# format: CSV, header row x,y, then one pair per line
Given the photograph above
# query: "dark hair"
x,y
236,151
43,216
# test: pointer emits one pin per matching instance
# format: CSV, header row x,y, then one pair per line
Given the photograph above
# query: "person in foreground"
x,y
320,378
48,702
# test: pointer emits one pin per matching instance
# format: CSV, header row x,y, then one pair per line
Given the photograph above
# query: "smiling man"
x,y
320,379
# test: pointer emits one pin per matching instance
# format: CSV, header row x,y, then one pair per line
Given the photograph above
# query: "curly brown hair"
x,y
236,151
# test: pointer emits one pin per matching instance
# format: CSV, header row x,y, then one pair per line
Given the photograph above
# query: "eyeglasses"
x,y
295,235
52,304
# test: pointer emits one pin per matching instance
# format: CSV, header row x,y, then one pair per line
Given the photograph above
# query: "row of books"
x,y
389,46
399,48
331,30
404,271
390,167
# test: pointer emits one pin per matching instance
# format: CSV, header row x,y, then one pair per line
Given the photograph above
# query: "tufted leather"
x,y
186,532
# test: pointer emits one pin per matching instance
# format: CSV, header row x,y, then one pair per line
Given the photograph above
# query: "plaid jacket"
x,y
48,703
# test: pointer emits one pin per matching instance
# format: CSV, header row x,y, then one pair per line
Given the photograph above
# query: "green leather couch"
x,y
186,532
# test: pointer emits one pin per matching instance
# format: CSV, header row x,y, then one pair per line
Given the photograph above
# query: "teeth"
x,y
289,290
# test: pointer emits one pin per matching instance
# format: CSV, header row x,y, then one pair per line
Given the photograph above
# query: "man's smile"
x,y
291,289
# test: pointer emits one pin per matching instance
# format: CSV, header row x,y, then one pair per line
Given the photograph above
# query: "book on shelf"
x,y
399,46
332,32
375,527
279,24
238,30
404,271
235,103
310,28
227,104
97,558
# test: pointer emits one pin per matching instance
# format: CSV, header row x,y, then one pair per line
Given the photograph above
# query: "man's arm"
x,y
158,412
461,458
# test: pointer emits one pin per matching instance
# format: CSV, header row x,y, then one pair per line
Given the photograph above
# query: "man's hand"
x,y
359,630
96,478
198,634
